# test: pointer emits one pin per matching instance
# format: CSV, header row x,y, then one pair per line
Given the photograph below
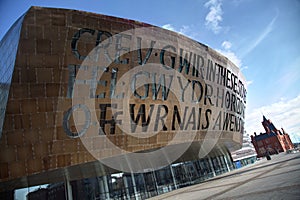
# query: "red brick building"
x,y
273,141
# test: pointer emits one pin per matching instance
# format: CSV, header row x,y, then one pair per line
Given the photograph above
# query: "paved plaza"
x,y
278,178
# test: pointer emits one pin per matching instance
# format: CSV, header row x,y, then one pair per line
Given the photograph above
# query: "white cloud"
x,y
226,45
261,37
214,17
187,30
249,82
244,67
284,114
231,56
289,77
168,27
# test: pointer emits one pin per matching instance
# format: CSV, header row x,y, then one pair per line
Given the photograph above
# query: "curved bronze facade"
x,y
182,96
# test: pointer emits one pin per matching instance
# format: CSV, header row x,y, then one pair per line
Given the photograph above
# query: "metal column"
x,y
126,186
134,186
173,177
211,166
106,189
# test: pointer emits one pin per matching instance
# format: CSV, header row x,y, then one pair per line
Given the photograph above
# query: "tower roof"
x,y
264,118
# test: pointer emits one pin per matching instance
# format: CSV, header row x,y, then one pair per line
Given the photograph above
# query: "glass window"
x,y
8,52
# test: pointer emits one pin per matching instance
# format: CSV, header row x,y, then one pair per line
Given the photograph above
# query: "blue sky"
x,y
262,37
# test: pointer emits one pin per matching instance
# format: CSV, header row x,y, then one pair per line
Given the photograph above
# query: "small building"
x,y
273,141
246,155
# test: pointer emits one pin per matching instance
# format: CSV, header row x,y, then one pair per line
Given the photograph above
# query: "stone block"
x,y
60,134
24,152
132,141
52,90
98,143
79,20
64,104
8,154
47,135
17,169
50,117
43,17
34,31
4,170
71,145
58,19
74,158
162,138
15,138
25,120
48,162
43,46
51,61
89,157
59,117
92,22
28,106
29,18
31,136
16,77
38,120
13,107
41,149
57,147
8,123
18,122
63,160
19,91
58,47
153,140
78,157
44,105
44,75
37,90
35,61
56,76
34,165
27,46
